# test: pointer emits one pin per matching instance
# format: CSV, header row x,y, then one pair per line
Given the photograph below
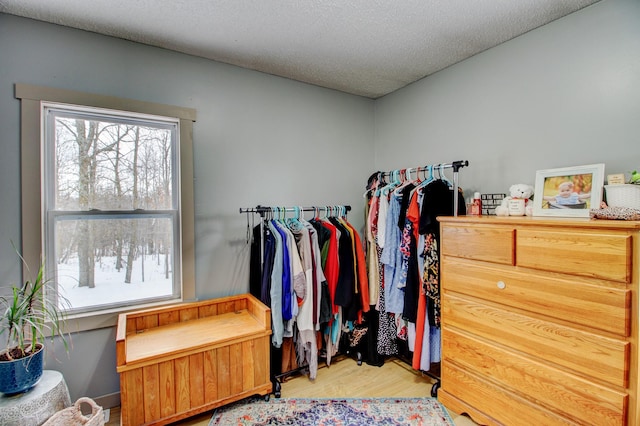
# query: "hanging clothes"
x,y
327,245
438,202
255,262
306,344
372,215
276,288
403,229
391,258
313,275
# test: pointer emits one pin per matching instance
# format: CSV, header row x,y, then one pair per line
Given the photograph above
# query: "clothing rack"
x,y
456,166
268,212
263,211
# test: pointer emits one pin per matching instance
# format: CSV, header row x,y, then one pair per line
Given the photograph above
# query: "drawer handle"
x,y
501,285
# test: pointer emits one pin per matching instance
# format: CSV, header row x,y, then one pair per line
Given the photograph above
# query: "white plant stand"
x,y
34,407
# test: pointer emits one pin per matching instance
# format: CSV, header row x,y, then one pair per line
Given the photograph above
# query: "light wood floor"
x,y
344,379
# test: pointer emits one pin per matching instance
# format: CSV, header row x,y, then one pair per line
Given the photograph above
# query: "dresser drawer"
x,y
486,243
554,389
573,300
587,353
590,254
499,404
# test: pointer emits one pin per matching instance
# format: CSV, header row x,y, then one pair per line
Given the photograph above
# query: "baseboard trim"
x,y
108,401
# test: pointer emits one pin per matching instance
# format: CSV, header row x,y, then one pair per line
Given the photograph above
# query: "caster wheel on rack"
x,y
434,389
267,397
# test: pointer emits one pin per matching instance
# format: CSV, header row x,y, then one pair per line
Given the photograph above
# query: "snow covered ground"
x,y
109,283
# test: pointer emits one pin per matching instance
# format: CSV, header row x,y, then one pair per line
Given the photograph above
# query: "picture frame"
x,y
568,191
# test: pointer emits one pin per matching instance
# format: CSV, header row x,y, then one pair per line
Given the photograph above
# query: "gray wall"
x,y
566,94
258,139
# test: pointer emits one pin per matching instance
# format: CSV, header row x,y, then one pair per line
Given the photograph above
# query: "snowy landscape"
x,y
109,283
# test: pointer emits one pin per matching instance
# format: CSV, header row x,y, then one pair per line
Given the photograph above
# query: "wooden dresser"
x,y
540,320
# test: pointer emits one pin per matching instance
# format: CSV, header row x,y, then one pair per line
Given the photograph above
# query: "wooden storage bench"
x,y
185,359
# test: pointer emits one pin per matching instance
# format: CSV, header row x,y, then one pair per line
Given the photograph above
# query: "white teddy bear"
x,y
512,204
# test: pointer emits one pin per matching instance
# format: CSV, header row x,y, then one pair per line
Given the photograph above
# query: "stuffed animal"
x,y
512,206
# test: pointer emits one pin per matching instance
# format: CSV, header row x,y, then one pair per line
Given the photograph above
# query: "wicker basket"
x,y
627,195
72,416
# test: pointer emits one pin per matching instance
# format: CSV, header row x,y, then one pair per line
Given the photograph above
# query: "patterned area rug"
x,y
333,412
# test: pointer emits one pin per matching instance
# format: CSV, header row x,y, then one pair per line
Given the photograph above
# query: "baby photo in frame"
x,y
569,191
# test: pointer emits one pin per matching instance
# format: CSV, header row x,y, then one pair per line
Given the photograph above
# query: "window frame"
x,y
32,131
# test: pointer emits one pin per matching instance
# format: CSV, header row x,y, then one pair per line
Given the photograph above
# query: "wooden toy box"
x,y
178,361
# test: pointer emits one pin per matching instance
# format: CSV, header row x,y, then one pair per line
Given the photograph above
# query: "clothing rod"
x,y
456,166
263,209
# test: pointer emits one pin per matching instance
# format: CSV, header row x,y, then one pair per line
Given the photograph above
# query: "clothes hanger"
x,y
407,181
442,175
428,179
279,213
294,221
374,186
393,181
417,181
379,183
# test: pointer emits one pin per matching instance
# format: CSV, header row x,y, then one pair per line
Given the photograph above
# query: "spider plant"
x,y
28,318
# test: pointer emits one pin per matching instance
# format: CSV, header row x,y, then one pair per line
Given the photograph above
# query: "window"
x,y
115,200
111,206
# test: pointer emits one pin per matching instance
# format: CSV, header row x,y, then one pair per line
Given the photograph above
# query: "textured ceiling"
x,y
364,47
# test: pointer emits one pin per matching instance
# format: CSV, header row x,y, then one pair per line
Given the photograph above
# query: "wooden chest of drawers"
x,y
540,320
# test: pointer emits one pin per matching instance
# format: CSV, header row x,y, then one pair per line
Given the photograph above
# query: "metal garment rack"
x,y
456,166
264,211
276,212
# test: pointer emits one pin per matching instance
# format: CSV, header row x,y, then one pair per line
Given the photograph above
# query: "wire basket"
x,y
72,416
627,195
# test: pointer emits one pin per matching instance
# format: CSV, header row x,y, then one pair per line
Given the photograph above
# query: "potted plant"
x,y
26,319
624,195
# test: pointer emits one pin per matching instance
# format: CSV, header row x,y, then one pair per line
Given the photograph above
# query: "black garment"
x,y
438,201
345,289
412,286
323,233
325,304
255,266
267,267
373,357
404,204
